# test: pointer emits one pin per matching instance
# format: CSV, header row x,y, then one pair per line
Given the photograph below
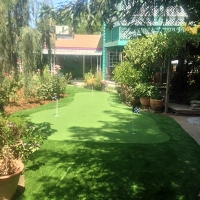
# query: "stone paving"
x,y
191,124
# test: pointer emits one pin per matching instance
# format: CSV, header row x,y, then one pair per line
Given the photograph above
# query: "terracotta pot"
x,y
9,183
156,104
145,101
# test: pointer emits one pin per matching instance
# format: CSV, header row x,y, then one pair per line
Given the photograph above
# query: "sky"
x,y
56,2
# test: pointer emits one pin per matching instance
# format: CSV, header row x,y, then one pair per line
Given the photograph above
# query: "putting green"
x,y
98,118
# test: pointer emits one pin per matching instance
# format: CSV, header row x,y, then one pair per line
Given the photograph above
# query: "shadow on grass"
x,y
74,170
85,170
127,128
44,128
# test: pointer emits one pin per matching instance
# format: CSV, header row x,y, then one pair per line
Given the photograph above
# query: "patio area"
x,y
183,109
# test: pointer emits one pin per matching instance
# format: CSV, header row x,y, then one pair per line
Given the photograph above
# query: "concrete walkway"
x,y
191,124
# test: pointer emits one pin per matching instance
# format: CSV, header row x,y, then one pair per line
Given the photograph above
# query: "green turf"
x,y
98,118
87,170
71,91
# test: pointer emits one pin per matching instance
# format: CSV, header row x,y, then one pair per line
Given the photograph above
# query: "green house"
x,y
115,39
81,53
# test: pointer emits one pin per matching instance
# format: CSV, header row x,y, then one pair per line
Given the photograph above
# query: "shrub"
x,y
142,89
8,89
125,74
132,79
18,140
48,85
94,80
88,76
128,74
155,93
128,96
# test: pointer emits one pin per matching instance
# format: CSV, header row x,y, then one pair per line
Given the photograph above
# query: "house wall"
x,y
116,38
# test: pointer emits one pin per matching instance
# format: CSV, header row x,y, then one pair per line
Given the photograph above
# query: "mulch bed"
x,y
24,106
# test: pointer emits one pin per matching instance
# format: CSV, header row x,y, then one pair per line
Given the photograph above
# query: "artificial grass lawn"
x,y
91,167
98,117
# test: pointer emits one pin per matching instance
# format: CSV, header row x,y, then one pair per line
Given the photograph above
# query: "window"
x,y
92,63
114,58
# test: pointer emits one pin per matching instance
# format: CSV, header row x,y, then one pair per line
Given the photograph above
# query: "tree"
x,y
108,12
14,15
192,8
45,25
147,51
15,18
79,16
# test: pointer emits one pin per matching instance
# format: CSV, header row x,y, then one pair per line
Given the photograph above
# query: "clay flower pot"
x,y
9,183
156,105
145,101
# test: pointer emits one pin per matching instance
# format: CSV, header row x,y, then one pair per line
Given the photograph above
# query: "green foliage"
x,y
43,86
134,81
143,89
14,15
44,24
155,93
154,49
143,55
98,81
129,74
124,73
94,80
30,48
79,16
48,85
128,95
18,140
87,76
8,89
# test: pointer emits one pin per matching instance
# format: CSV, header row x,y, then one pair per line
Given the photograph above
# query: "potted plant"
x,y
156,99
143,91
18,141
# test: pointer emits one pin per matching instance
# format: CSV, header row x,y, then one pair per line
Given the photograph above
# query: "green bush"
x,y
18,140
8,89
48,85
94,80
88,76
144,89
128,74
125,74
132,79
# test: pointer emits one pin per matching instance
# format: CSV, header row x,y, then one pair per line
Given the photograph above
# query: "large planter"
x,y
156,105
9,183
145,101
